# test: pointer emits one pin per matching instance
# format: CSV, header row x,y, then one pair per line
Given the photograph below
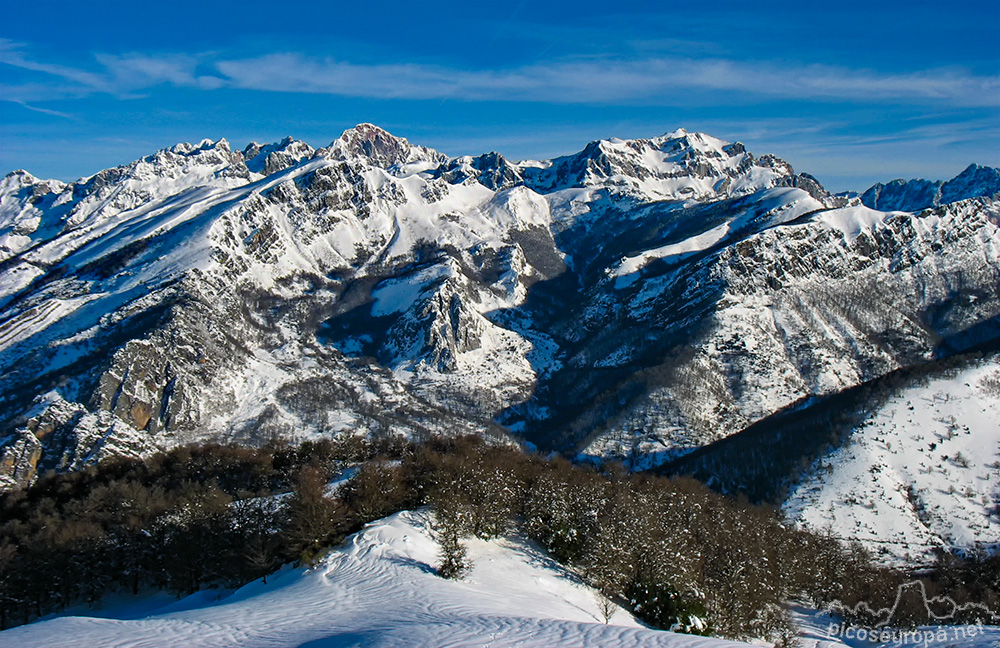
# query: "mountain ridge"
x,y
639,299
911,195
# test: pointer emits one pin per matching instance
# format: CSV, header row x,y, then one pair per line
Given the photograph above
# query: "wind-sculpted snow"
x,y
380,589
636,300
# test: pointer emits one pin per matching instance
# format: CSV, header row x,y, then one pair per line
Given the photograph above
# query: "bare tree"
x,y
605,606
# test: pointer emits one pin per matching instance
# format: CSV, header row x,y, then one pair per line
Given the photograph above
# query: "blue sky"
x,y
852,92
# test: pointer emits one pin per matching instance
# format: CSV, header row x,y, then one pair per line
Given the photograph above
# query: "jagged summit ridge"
x,y
675,166
266,159
379,147
913,195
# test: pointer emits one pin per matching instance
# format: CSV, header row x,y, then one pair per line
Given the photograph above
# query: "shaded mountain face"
x,y
914,195
636,300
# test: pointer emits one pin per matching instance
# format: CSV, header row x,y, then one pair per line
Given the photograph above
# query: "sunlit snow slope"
x,y
923,471
381,590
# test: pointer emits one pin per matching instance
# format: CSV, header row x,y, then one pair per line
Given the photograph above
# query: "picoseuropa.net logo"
x,y
911,608
919,636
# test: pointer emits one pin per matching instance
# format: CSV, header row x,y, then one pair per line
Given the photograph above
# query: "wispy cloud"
x,y
44,111
846,156
122,76
656,80
14,54
647,81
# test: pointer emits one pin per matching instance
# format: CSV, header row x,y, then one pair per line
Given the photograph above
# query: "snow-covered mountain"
x,y
914,195
637,300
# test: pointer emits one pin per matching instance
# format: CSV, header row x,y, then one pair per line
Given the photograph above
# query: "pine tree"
x,y
255,520
454,559
452,519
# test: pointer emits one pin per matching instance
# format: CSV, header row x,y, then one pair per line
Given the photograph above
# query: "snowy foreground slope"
x,y
821,630
922,471
380,589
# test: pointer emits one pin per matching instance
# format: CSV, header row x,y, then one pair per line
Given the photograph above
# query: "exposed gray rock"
x,y
377,287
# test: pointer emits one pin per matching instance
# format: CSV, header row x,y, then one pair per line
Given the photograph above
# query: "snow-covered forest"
x,y
670,551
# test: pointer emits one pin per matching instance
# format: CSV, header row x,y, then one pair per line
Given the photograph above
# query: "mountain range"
x,y
647,301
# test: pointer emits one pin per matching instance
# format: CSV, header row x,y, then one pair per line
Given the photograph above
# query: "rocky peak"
x,y
186,148
271,158
16,179
181,159
379,147
492,170
901,195
812,186
974,181
735,148
677,165
205,152
695,142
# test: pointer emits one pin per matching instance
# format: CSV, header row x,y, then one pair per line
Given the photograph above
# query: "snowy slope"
x,y
804,308
380,590
922,471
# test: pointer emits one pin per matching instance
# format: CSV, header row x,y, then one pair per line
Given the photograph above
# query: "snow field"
x,y
380,590
921,472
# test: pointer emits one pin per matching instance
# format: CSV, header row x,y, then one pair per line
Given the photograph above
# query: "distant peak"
x,y
973,169
368,138
379,146
270,158
20,173
913,195
186,148
699,143
367,131
17,179
735,148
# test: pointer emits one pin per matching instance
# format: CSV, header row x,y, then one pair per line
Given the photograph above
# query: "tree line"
x,y
676,554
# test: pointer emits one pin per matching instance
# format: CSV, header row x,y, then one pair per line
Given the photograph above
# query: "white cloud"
x,y
71,79
649,81
121,76
44,111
